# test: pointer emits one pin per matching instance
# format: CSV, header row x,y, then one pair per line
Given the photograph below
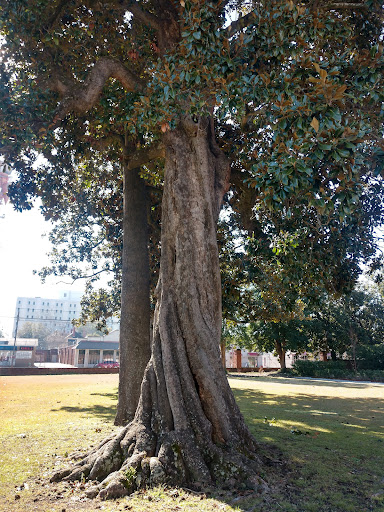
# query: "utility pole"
x,y
14,341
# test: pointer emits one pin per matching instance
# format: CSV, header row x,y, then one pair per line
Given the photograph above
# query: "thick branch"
x,y
240,23
144,155
104,143
63,4
346,5
82,97
145,17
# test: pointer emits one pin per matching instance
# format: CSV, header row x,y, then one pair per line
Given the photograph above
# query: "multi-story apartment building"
x,y
55,314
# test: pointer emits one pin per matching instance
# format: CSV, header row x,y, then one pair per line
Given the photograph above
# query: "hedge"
x,y
335,370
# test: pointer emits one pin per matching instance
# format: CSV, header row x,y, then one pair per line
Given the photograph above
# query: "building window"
x,y
94,356
27,316
43,303
81,357
107,355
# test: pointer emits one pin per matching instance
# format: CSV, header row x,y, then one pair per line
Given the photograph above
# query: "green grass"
x,y
333,434
325,439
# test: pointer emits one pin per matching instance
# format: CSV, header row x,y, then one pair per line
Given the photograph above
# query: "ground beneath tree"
x,y
317,425
39,495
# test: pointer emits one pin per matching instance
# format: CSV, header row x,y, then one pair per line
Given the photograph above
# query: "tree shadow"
x,y
112,396
106,413
300,381
332,448
324,412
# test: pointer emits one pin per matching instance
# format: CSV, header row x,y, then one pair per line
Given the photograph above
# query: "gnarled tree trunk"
x,y
188,428
135,303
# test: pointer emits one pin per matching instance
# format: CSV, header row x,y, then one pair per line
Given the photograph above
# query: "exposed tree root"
x,y
136,458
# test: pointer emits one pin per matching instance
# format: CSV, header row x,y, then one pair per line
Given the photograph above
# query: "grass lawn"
x,y
325,441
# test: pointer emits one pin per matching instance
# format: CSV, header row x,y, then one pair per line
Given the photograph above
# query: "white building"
x,y
256,359
55,314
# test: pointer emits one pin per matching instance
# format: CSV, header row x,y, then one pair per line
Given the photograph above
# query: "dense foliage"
x,y
297,94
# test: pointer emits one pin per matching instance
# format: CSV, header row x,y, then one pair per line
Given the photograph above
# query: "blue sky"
x,y
22,250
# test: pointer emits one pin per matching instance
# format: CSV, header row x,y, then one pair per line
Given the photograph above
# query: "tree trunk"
x,y
135,302
353,339
281,354
223,348
188,428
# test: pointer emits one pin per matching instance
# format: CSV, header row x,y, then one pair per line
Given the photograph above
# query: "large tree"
x,y
162,71
97,234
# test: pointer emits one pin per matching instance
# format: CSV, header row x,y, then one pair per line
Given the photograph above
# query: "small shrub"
x,y
370,357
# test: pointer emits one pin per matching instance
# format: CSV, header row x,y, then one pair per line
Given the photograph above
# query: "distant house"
x,y
93,350
256,359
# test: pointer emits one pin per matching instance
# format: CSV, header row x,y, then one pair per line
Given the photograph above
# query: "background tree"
x,y
280,337
352,324
166,68
35,330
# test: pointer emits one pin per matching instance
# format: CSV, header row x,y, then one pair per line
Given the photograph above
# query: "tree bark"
x,y
188,428
135,302
281,354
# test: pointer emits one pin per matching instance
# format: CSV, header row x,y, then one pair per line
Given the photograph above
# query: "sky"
x,y
22,250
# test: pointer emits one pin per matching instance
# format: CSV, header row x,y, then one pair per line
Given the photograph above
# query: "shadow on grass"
x,y
112,396
327,413
99,411
300,381
334,447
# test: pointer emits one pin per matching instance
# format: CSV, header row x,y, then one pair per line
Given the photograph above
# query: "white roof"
x,y
20,342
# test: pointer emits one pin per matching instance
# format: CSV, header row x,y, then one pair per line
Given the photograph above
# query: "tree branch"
x,y
104,143
240,23
144,16
142,156
82,97
56,15
346,5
